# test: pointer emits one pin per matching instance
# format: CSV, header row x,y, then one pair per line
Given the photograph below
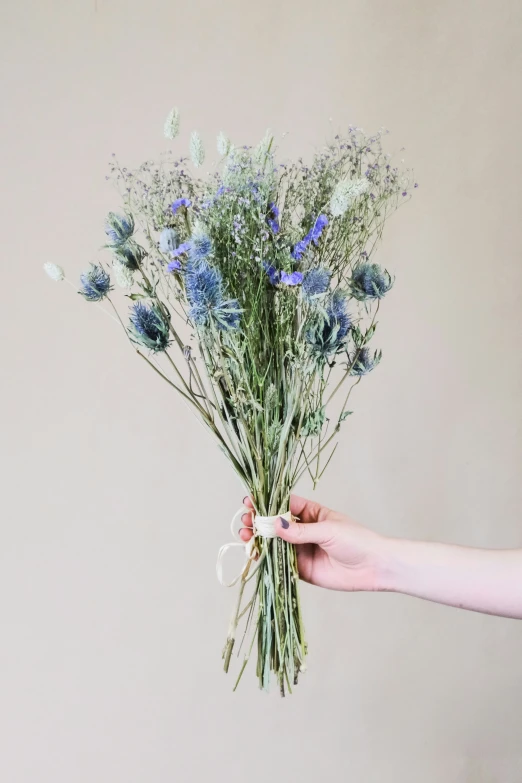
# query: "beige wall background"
x,y
114,502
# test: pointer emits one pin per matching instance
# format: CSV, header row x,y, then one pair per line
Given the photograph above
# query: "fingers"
x,y
307,510
246,521
320,533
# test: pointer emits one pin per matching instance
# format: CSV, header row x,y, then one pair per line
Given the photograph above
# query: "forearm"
x,y
482,580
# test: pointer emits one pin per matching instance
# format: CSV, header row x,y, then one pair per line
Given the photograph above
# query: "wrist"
x,y
391,558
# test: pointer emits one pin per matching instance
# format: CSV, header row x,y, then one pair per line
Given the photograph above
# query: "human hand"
x,y
332,550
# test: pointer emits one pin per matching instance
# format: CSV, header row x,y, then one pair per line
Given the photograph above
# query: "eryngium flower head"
x,y
223,144
369,281
345,193
95,284
362,362
54,271
204,288
149,327
328,333
197,151
119,228
168,240
171,127
130,254
122,274
315,283
200,244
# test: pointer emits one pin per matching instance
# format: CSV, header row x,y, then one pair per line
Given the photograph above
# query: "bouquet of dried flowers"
x,y
253,293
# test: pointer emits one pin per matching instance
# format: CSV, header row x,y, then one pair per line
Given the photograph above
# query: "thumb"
x,y
304,532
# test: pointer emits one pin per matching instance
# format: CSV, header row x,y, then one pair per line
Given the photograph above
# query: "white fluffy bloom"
x,y
263,148
171,127
345,193
223,144
54,271
122,274
197,151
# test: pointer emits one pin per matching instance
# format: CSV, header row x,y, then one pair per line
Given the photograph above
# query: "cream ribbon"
x,y
264,527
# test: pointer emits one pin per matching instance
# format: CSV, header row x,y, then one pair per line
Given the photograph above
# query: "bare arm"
x,y
483,580
337,553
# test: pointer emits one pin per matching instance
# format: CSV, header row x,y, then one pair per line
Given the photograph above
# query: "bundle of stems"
x,y
254,295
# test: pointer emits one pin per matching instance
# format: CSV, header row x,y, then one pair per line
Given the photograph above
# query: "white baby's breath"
x,y
54,271
345,193
171,127
223,144
122,274
197,151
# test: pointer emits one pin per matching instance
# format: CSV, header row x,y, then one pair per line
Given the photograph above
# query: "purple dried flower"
x,y
312,236
180,202
292,278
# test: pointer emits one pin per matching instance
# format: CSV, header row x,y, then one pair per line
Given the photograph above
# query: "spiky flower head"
x,y
171,127
362,362
197,151
370,281
345,193
54,271
328,332
119,228
130,253
122,274
315,283
223,144
204,287
168,241
149,327
201,244
95,284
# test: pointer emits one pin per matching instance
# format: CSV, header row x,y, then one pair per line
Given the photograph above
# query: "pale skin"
x,y
335,552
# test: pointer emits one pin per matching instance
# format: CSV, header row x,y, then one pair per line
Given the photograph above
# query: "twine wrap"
x,y
264,527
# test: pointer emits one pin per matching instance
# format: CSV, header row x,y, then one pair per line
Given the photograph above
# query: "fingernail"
x,y
243,516
284,523
244,499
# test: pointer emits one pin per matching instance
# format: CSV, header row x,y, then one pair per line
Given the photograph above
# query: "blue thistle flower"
x,y
328,333
313,236
119,228
149,327
315,282
363,362
174,265
180,202
204,288
130,254
369,281
168,240
96,283
201,246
